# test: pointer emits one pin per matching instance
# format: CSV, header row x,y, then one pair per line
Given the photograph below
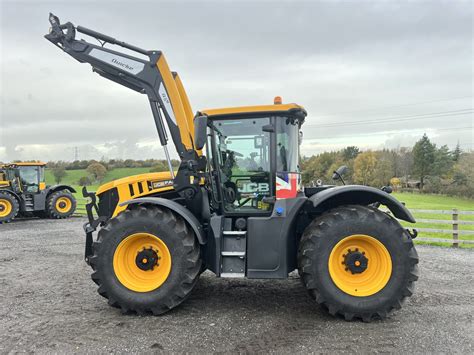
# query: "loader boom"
x,y
151,77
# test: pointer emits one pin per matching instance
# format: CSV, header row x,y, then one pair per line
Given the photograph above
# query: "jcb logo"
x,y
254,187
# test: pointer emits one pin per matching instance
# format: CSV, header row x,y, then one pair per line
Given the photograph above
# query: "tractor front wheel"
x,y
60,204
9,207
146,260
357,262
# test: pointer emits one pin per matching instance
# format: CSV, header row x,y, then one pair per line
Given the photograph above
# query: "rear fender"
x,y
55,188
175,207
359,195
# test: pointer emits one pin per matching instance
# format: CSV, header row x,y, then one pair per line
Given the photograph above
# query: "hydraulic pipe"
x,y
161,133
110,40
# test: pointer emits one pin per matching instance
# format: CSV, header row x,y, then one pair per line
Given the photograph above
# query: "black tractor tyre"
x,y
53,204
184,249
322,236
9,207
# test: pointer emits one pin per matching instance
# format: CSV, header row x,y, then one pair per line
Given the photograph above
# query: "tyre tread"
x,y
15,206
188,241
309,246
51,211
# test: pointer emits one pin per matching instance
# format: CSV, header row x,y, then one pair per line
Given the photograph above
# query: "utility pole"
x,y
76,153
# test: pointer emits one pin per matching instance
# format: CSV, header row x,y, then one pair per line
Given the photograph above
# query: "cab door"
x,y
288,174
242,161
30,177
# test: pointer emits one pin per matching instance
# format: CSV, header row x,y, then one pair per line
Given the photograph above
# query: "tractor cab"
x,y
26,177
253,155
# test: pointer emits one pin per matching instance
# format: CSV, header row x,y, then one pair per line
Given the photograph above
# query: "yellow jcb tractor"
x,y
23,191
237,208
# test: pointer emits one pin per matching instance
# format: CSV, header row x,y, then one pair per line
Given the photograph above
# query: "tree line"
x,y
97,170
424,167
112,163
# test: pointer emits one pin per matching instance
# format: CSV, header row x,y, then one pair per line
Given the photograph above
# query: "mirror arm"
x,y
340,177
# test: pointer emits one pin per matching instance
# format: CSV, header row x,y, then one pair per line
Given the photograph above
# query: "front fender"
x,y
12,193
175,207
359,195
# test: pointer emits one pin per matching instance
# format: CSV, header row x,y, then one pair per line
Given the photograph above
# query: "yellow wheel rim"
x,y
142,262
5,207
63,204
360,265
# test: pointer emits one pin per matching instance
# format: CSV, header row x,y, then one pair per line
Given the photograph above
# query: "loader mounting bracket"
x,y
91,226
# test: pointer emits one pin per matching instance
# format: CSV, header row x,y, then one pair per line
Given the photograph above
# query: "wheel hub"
x,y
63,204
147,259
5,207
355,261
350,269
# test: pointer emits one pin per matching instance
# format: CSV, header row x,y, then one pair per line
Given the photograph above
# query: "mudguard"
x,y
359,195
175,207
59,188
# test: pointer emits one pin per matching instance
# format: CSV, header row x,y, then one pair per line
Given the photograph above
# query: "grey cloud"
x,y
342,60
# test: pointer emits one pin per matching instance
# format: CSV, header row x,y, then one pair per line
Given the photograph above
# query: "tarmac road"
x,y
49,304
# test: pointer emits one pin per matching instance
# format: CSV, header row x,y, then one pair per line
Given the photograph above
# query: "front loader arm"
x,y
150,76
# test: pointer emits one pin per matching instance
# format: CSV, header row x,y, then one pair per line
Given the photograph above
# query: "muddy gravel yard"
x,y
49,304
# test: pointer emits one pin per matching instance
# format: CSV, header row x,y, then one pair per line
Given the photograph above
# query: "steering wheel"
x,y
237,154
231,193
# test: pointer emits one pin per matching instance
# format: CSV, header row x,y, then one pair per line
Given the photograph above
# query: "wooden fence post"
x,y
455,228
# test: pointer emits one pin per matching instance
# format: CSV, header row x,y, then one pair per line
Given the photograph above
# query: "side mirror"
x,y
300,137
387,189
200,131
339,172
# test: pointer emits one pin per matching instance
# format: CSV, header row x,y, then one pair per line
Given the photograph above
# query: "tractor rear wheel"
x,y
357,262
60,204
9,207
146,260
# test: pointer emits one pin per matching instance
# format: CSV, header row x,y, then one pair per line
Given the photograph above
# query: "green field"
x,y
413,201
434,202
72,177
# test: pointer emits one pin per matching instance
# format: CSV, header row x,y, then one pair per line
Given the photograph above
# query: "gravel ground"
x,y
49,304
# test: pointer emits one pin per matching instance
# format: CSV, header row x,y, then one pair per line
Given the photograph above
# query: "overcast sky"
x,y
370,73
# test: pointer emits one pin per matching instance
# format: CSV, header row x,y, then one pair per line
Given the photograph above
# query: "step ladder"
x,y
29,203
233,253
